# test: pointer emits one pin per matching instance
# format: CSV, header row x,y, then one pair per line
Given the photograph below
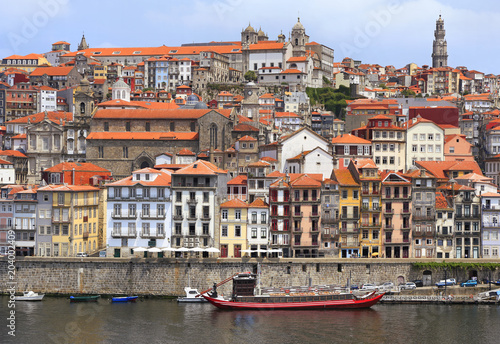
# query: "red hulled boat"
x,y
243,298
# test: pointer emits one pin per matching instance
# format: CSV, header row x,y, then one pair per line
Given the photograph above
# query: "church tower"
x,y
83,44
439,46
299,39
250,103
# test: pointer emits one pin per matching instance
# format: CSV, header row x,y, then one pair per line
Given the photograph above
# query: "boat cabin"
x,y
244,284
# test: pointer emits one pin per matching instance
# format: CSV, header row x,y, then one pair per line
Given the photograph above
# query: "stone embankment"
x,y
168,277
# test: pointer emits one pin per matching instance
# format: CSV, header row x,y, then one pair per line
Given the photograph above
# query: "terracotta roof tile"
x,y
345,178
186,152
201,167
258,203
238,180
234,203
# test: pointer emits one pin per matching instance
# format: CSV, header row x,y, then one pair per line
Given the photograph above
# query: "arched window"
x,y
80,247
84,247
82,107
213,136
123,94
296,41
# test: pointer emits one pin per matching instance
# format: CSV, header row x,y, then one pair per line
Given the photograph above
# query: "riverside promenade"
x,y
169,276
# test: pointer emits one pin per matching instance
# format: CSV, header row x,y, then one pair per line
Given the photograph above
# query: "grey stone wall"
x,y
170,276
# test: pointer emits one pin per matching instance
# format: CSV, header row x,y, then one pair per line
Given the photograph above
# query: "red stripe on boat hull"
x,y
337,304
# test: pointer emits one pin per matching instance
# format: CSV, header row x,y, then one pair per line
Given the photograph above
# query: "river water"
x,y
55,320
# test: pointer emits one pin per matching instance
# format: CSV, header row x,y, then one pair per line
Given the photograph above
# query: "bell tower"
x,y
439,46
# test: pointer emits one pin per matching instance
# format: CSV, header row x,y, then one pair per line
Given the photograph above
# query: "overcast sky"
x,y
387,32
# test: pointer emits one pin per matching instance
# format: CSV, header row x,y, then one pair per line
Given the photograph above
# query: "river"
x,y
55,320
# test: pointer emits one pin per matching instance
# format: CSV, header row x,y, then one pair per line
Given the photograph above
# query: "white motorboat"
x,y
30,296
191,296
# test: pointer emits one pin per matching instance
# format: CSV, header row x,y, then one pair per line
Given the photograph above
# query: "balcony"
x,y
370,192
491,225
85,235
467,216
298,214
192,201
388,211
388,227
177,217
370,224
207,217
60,220
297,230
192,217
152,215
123,215
424,217
374,208
131,233
150,234
349,216
406,211
314,214
329,219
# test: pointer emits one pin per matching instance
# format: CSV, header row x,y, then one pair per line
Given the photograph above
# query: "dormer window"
x,y
147,176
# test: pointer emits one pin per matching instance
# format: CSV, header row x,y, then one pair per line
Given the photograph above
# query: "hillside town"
x,y
258,147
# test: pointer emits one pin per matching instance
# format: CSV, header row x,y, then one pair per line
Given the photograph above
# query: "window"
x,y
344,194
438,149
106,126
438,137
377,147
422,148
237,231
430,148
125,152
224,231
237,214
127,126
452,149
346,150
422,137
224,214
101,152
415,137
430,137
355,194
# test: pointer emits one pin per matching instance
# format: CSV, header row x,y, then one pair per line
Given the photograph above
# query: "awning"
x,y
375,254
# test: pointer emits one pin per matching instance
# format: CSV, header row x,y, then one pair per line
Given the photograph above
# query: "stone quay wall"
x,y
168,277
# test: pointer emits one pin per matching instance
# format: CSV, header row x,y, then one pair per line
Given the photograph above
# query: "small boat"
x,y
29,296
192,296
84,298
124,298
243,297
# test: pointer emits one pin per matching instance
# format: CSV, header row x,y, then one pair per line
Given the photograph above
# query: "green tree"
x,y
408,93
383,86
250,75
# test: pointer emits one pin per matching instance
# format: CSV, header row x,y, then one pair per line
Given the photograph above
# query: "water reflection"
x,y
55,320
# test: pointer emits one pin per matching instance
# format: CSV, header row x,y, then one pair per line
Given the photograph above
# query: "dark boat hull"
x,y
306,305
92,298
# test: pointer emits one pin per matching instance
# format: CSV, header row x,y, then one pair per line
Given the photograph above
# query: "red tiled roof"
x,y
247,138
345,178
268,159
185,152
441,202
77,166
156,113
244,127
5,162
238,180
53,116
200,167
160,136
348,138
258,203
162,179
51,71
234,203
15,153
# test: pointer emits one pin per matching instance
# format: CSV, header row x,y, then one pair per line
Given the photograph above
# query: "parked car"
x,y
369,286
418,283
469,283
82,254
447,282
387,286
408,286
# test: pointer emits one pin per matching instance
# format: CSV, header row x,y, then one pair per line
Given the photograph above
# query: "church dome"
x,y
298,25
249,28
260,33
201,105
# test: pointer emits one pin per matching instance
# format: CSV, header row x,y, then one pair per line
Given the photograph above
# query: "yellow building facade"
x,y
233,228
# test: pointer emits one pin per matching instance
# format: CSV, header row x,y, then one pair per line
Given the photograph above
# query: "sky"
x,y
387,32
